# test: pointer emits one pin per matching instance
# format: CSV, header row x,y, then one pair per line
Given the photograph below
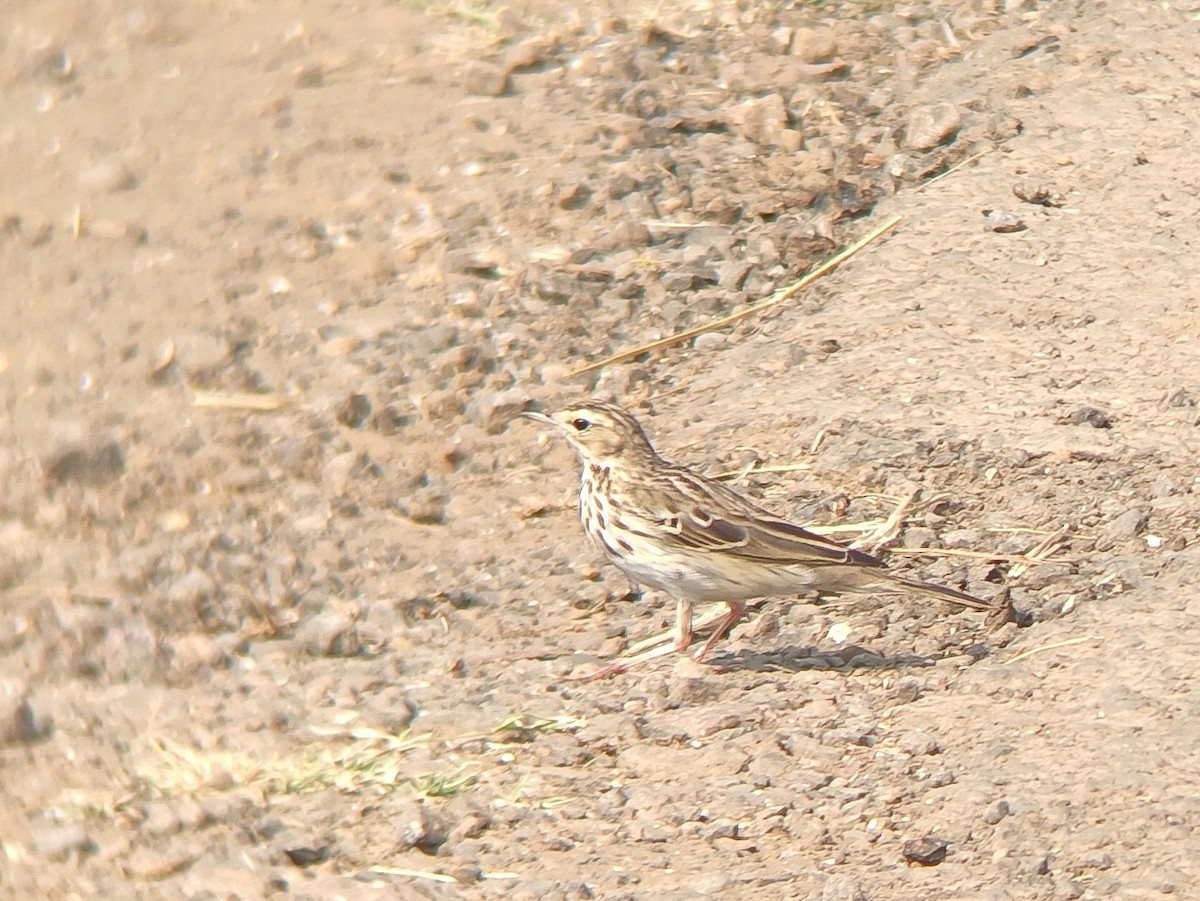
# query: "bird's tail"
x,y
941,592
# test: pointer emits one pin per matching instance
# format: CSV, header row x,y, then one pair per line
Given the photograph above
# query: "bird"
x,y
671,528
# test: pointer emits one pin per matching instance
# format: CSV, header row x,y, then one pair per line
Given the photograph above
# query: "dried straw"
x,y
776,298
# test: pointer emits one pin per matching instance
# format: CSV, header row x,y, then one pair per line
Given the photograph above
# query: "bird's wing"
x,y
702,514
717,519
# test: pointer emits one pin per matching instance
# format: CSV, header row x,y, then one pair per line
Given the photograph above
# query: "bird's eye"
x,y
581,424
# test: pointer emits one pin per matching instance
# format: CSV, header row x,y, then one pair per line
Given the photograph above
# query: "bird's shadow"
x,y
796,659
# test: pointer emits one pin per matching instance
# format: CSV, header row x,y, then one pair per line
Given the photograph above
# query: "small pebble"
x,y
761,120
329,634
919,744
502,408
709,341
928,851
196,650
307,855
722,828
907,690
91,464
471,825
1002,222
60,842
160,819
929,126
108,177
341,345
191,589
416,825
353,410
814,45
996,812
148,864
484,79
842,888
191,814
1092,416
20,724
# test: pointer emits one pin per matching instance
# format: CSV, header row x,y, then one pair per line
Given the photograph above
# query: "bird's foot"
x,y
733,614
675,640
679,638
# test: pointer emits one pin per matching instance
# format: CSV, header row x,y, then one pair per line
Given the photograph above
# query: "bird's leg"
x,y
694,626
625,663
657,646
683,624
736,609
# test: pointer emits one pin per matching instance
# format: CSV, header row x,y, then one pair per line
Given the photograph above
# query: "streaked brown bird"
x,y
674,529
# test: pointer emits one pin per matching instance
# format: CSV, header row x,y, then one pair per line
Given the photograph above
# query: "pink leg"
x,y
659,646
736,610
686,627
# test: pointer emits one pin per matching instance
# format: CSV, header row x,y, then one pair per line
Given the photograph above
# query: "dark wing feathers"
x,y
718,519
703,514
789,538
712,532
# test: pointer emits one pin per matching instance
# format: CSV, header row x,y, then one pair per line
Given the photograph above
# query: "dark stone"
x,y
926,852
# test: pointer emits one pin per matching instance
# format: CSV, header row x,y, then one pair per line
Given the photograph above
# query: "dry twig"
x,y
1054,646
238,400
890,529
776,298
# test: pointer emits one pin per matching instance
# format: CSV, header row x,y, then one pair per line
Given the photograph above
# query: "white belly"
x,y
702,576
689,578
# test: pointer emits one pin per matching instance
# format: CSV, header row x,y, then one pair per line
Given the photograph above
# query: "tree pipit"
x,y
673,529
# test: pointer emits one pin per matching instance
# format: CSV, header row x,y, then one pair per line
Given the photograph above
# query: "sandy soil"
x,y
289,600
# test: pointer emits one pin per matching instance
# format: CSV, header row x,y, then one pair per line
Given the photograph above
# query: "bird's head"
x,y
600,432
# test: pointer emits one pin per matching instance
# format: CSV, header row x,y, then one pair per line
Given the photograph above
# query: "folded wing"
x,y
718,520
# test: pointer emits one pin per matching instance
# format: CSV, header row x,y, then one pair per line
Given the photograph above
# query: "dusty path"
x,y
309,634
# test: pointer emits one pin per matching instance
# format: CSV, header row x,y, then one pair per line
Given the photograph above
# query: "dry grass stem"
x,y
663,223
414,874
1066,643
960,164
757,467
891,527
520,723
776,298
374,760
1042,551
240,400
1019,559
865,527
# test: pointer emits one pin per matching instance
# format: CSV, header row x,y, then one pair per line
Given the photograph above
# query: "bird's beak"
x,y
539,417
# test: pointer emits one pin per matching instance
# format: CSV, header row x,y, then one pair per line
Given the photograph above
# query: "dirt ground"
x,y
289,599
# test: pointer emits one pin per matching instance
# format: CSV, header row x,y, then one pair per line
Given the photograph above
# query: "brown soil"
x,y
289,598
